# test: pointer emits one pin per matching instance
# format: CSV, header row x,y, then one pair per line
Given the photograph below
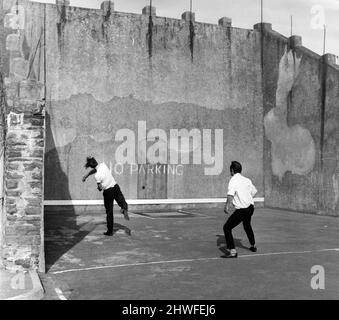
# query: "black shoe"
x,y
108,234
125,213
253,249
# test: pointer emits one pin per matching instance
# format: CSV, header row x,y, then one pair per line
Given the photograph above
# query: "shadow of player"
x,y
221,241
63,226
117,227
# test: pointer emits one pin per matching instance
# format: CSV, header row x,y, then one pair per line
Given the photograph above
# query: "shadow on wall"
x,y
63,228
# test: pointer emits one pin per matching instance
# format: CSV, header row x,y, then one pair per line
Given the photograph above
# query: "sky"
x,y
308,16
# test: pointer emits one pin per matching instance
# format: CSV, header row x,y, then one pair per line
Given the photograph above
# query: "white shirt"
x,y
242,190
104,176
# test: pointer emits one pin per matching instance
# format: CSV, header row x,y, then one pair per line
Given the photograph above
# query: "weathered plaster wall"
x,y
102,76
301,128
329,174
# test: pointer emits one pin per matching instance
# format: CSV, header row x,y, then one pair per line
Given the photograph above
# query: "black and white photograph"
x,y
184,153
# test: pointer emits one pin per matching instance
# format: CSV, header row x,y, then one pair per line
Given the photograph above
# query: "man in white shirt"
x,y
106,182
240,196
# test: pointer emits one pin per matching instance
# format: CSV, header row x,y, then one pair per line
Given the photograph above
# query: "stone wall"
x,y
24,155
24,150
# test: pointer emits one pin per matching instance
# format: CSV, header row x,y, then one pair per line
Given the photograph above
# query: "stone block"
x,y
329,58
14,194
38,153
13,166
32,218
13,175
33,202
32,166
263,26
14,154
30,210
11,210
295,41
39,143
107,6
15,143
35,185
12,184
25,263
188,16
14,119
225,22
62,2
37,176
149,11
22,240
37,122
10,200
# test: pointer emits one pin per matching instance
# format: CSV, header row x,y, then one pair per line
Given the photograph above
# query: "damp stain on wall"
x,y
61,24
293,147
192,36
150,36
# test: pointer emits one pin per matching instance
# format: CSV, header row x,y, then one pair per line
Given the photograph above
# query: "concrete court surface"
x,y
177,256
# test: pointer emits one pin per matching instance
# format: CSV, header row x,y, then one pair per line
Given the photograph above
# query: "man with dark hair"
x,y
239,195
106,182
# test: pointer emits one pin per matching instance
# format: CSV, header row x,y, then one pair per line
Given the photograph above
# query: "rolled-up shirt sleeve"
x,y
231,189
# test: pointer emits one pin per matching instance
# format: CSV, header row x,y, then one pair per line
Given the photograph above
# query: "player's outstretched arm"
x,y
93,171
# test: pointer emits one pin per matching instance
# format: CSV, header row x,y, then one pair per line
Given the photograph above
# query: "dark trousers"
x,y
240,215
110,195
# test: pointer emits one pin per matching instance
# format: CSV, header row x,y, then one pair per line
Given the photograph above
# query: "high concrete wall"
x,y
301,127
108,71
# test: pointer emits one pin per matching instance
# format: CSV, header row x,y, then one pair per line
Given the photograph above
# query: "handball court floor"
x,y
177,255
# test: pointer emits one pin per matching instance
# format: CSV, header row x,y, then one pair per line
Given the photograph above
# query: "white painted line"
x,y
132,265
285,253
60,294
189,260
138,201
